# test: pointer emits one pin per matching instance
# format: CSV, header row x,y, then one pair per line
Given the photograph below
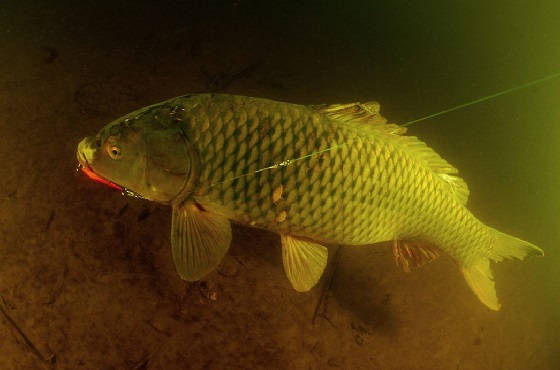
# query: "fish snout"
x,y
86,150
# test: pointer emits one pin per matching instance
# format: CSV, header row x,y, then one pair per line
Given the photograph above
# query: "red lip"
x,y
95,177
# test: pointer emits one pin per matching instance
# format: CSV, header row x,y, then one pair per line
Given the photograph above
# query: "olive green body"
x,y
314,174
290,169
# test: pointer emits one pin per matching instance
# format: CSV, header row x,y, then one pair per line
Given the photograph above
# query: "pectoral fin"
x,y
304,262
199,240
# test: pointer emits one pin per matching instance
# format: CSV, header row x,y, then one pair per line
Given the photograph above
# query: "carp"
x,y
316,175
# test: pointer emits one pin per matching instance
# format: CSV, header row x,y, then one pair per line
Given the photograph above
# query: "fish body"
x,y
364,185
315,175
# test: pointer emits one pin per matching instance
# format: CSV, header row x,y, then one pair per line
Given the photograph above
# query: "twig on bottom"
x,y
50,359
143,363
326,287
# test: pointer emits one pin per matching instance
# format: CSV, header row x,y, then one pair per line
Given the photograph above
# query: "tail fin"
x,y
507,246
478,274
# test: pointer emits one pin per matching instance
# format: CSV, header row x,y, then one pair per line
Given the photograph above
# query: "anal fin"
x,y
480,279
412,253
304,261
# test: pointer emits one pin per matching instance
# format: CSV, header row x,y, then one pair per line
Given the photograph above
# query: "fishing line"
x,y
285,163
288,162
480,100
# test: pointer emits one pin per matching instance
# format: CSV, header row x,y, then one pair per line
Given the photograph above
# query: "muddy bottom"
x,y
86,277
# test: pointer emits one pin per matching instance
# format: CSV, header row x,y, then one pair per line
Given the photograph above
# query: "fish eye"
x,y
114,152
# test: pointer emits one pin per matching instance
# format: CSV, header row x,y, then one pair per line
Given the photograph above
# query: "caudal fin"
x,y
478,274
507,246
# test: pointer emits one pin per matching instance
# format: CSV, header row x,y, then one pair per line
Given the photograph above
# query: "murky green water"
x,y
73,249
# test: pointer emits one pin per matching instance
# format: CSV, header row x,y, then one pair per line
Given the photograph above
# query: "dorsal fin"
x,y
446,172
366,114
368,118
458,187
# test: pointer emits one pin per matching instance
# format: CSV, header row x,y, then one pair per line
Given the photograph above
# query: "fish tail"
x,y
479,275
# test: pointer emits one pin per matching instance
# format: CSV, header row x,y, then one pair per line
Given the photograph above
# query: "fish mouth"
x,y
88,170
84,166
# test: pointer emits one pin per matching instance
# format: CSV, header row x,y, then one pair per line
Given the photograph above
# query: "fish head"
x,y
144,157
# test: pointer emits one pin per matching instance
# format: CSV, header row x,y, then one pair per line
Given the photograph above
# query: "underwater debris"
x,y
144,214
50,220
207,292
221,80
122,210
49,359
326,288
51,54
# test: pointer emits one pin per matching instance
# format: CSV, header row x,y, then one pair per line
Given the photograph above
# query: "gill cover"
x,y
169,163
